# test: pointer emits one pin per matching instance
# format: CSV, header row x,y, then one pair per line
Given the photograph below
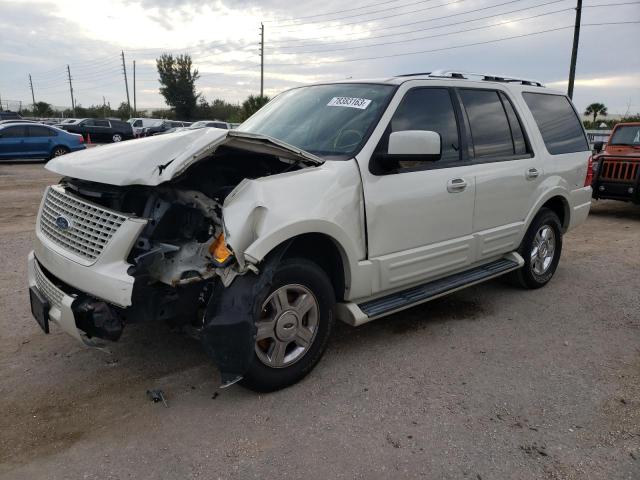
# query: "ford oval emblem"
x,y
63,223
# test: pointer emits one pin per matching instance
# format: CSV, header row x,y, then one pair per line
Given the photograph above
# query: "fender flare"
x,y
229,330
262,247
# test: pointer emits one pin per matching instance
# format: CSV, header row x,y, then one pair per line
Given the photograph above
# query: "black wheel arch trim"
x,y
229,330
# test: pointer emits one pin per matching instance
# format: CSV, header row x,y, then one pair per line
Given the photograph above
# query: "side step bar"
x,y
379,307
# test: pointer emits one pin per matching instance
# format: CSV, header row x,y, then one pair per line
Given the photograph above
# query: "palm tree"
x,y
596,109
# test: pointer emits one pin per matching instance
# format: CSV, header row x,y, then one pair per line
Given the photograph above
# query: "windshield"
x,y
199,124
627,135
326,120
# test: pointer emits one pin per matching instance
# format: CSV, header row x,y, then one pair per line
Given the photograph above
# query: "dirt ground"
x,y
490,383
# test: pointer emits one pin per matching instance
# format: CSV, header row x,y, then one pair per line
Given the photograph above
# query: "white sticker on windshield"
x,y
350,102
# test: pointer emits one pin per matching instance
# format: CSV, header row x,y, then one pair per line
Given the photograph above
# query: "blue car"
x,y
31,140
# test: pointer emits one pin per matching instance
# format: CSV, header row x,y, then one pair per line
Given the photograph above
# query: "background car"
x,y
24,140
138,124
17,120
9,115
100,129
210,123
162,126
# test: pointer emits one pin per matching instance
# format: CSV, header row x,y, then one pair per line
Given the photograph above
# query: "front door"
x,y
420,214
12,142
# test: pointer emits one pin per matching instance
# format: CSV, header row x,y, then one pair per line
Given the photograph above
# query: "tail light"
x,y
81,139
588,179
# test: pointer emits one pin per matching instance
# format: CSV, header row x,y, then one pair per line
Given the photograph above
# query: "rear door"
x,y
508,177
12,142
102,129
39,141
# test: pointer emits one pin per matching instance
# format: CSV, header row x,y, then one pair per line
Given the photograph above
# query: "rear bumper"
x,y
580,205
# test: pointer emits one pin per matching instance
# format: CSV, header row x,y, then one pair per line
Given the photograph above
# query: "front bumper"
x,y
60,312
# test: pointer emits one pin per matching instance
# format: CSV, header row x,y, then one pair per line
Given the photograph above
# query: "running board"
x,y
372,309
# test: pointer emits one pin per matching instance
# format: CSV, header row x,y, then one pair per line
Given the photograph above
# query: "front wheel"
x,y
117,137
294,325
541,249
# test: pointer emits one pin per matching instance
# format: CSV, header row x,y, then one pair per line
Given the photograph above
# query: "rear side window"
x,y
101,123
429,109
490,128
39,131
558,123
137,123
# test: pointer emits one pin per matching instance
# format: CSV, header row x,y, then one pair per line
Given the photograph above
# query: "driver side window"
x,y
426,109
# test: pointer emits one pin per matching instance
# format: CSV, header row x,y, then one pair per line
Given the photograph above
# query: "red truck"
x,y
617,168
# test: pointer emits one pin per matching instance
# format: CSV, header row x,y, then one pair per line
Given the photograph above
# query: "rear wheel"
x,y
294,326
541,249
58,151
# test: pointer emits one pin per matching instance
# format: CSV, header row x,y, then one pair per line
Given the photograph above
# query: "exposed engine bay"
x,y
182,250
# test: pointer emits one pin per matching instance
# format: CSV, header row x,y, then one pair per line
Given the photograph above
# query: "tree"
x,y
218,109
596,109
42,109
123,111
178,84
252,104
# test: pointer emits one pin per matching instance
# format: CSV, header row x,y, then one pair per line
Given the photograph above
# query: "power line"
x,y
453,47
419,10
340,11
459,22
355,15
431,36
427,20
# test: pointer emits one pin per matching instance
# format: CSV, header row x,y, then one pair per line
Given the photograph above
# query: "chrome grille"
x,y
90,226
52,293
618,170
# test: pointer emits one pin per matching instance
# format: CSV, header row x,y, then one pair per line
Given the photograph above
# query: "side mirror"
x,y
597,147
417,144
408,146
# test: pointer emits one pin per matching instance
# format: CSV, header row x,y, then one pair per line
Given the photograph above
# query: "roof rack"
x,y
484,76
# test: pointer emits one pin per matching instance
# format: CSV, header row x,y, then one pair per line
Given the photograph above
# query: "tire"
x,y
304,285
539,265
117,137
59,151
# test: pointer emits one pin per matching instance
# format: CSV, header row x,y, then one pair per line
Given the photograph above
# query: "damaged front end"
x,y
185,272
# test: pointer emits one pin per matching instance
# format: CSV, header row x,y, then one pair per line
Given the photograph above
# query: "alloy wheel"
x,y
543,250
287,326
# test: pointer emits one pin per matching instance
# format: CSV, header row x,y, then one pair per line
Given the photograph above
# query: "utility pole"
x,y
104,105
33,97
73,102
126,84
134,89
574,51
261,60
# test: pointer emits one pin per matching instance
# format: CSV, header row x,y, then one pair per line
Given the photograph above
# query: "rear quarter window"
x,y
558,123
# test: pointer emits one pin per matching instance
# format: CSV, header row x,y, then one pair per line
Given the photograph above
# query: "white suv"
x,y
349,200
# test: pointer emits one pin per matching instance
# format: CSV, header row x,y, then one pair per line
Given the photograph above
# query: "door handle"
x,y
532,173
456,185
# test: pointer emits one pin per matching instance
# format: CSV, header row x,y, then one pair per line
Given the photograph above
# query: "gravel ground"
x,y
489,383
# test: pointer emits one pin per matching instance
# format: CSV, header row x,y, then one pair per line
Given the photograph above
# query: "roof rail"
x,y
484,76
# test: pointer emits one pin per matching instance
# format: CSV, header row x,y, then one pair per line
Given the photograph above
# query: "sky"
x,y
311,41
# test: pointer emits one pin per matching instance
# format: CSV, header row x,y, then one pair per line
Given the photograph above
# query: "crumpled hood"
x,y
153,160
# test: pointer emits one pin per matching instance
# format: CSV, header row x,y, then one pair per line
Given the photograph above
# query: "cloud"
x,y
222,38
